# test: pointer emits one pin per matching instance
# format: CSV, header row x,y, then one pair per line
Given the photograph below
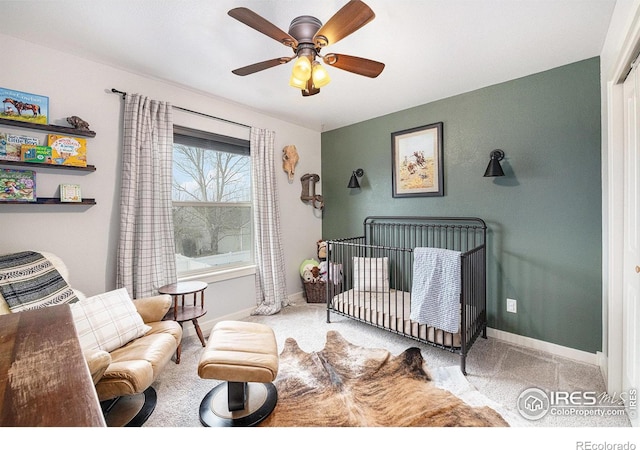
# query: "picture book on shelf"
x,y
17,185
67,150
10,145
36,154
70,193
24,107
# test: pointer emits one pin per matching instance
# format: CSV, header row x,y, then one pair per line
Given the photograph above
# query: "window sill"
x,y
221,275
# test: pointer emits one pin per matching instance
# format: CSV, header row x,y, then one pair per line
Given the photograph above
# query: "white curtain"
x,y
146,252
271,290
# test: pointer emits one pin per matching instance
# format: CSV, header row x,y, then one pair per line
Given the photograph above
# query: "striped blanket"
x,y
435,293
28,280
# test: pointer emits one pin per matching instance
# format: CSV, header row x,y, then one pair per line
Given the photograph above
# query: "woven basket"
x,y
315,292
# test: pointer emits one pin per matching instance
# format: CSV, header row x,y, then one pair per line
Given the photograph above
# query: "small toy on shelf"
x,y
78,123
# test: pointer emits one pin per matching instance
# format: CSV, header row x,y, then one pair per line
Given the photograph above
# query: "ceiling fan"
x,y
307,36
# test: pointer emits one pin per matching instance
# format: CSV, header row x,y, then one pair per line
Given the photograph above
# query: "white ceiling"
x,y
432,49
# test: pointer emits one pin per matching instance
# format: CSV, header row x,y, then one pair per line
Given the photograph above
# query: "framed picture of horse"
x,y
23,106
417,164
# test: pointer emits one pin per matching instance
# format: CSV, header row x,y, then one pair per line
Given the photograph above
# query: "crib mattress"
x,y
390,310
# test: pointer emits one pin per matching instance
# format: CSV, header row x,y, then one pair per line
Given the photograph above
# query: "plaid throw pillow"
x,y
371,274
107,321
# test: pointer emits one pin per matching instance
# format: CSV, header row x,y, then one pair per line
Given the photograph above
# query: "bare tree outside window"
x,y
211,207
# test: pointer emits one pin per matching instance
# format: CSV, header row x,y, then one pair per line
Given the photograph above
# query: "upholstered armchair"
x,y
124,358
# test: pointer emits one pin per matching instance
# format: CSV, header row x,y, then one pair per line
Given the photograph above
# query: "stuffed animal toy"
x,y
307,264
315,273
323,271
310,271
307,276
322,249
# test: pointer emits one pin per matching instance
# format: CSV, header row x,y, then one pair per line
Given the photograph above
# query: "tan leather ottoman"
x,y
245,356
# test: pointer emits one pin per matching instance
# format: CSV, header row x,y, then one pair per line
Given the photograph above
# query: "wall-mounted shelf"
x,y
35,166
54,128
39,166
53,201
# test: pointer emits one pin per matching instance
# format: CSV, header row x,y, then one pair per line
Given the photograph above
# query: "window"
x,y
211,202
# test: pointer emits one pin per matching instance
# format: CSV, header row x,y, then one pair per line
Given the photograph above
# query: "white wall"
x,y
86,238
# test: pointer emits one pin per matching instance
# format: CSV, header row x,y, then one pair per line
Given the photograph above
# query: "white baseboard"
x,y
554,349
596,359
208,324
603,362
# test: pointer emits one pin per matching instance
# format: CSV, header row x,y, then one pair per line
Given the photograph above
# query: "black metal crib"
x,y
370,277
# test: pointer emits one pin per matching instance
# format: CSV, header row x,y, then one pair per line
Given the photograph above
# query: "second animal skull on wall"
x,y
308,194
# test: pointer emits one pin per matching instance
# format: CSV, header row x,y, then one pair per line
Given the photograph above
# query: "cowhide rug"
x,y
344,385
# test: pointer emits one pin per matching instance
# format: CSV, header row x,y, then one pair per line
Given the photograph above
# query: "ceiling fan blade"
x,y
257,67
262,25
360,66
351,17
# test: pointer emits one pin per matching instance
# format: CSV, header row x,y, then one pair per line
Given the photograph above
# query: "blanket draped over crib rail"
x,y
435,294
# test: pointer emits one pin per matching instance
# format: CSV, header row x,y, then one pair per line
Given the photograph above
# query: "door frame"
x,y
613,225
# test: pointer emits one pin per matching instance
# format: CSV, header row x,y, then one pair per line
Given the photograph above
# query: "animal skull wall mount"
x,y
309,195
289,160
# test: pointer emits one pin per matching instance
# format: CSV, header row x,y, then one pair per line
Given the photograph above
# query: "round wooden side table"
x,y
184,313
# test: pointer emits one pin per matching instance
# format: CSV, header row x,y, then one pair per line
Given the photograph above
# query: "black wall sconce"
x,y
353,182
494,169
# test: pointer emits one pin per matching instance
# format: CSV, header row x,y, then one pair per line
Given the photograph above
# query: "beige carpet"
x,y
497,372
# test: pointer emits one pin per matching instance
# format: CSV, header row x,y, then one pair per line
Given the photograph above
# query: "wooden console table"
x,y
44,379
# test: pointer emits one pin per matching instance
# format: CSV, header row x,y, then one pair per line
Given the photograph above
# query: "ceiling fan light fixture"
x,y
319,75
307,36
302,68
297,83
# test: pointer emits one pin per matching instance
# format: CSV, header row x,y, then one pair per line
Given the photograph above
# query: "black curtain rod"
x,y
124,94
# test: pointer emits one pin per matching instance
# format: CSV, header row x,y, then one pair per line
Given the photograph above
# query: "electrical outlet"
x,y
512,305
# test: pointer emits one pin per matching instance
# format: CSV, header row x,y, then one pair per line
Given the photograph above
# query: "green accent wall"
x,y
544,216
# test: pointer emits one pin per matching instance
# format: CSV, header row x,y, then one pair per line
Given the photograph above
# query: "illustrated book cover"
x,y
24,107
10,145
36,154
70,193
67,150
17,185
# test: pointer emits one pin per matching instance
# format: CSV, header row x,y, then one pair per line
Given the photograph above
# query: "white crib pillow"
x,y
371,274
